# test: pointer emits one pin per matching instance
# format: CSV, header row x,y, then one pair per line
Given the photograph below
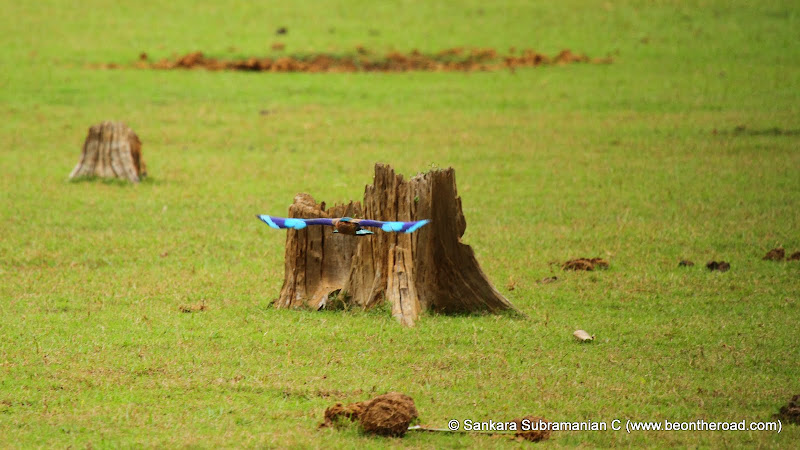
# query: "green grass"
x,y
619,161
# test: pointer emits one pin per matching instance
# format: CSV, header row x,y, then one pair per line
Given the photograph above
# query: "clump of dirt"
x,y
794,257
540,431
791,411
192,308
334,413
722,266
548,280
585,264
776,254
685,263
363,60
385,415
389,414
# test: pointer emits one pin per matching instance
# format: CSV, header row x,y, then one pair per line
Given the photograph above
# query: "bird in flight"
x,y
344,225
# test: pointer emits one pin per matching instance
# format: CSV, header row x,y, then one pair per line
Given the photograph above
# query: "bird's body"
x,y
343,225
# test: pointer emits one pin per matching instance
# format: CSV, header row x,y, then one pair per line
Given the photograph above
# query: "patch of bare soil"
x,y
363,60
791,411
721,266
524,431
794,257
776,254
385,415
585,264
685,263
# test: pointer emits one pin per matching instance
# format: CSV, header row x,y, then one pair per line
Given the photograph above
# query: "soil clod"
x,y
548,280
532,428
585,264
776,254
791,411
721,266
389,414
685,263
794,257
339,411
385,415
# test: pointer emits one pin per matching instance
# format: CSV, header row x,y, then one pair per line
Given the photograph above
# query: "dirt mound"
x,y
389,414
363,60
794,257
685,263
385,415
776,254
585,264
334,413
791,411
722,266
532,428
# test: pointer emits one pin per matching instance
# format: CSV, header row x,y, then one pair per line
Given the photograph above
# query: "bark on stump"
x,y
429,269
111,150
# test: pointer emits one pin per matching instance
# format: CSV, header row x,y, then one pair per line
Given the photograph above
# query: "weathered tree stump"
x,y
429,269
111,150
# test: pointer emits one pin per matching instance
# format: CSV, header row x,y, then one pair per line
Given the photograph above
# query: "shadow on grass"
x,y
113,181
742,130
337,306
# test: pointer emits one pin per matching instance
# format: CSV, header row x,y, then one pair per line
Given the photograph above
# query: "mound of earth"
x,y
340,411
363,60
389,414
585,264
539,432
385,415
776,254
791,411
722,266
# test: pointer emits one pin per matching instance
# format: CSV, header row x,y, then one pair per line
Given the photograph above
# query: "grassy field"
x,y
639,162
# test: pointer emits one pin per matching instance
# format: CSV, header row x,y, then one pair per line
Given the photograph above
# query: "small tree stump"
x,y
111,150
429,269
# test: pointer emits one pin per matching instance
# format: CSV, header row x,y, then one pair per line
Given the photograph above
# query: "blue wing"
x,y
406,227
297,224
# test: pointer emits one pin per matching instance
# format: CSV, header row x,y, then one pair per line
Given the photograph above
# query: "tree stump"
x,y
429,269
111,150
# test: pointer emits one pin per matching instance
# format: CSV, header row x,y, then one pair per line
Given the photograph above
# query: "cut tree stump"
x,y
111,150
429,269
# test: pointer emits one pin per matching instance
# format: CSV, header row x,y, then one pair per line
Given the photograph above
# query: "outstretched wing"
x,y
405,227
297,224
